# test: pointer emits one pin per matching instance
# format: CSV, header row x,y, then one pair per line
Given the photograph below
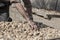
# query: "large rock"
x,y
47,4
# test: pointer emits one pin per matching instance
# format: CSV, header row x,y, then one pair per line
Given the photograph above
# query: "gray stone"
x,y
47,4
58,6
38,3
50,4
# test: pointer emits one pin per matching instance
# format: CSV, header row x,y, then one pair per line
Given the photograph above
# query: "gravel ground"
x,y
22,31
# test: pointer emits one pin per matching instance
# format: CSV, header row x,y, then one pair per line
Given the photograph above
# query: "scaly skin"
x,y
26,14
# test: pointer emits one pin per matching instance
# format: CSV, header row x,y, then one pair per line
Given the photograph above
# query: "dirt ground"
x,y
47,28
17,30
48,23
22,31
47,17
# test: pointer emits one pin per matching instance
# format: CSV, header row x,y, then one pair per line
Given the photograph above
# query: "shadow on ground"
x,y
49,17
53,16
54,39
41,25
